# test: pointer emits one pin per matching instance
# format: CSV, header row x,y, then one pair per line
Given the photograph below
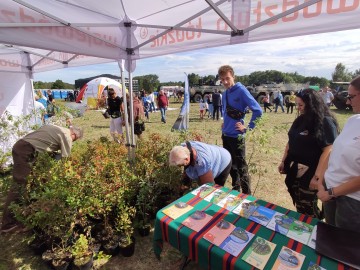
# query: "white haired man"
x,y
204,162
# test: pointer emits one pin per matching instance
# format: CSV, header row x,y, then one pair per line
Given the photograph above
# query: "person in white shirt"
x,y
339,187
39,112
327,96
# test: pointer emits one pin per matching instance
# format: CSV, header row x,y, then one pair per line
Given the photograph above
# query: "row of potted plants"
x,y
92,201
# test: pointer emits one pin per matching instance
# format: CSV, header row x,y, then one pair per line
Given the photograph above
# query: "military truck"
x,y
197,92
259,92
339,90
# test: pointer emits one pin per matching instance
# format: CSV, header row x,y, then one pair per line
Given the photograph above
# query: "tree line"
x,y
151,82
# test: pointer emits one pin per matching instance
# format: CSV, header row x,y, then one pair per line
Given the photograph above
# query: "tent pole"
x,y
133,143
126,117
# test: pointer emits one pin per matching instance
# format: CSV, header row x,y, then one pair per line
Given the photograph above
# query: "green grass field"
x,y
265,153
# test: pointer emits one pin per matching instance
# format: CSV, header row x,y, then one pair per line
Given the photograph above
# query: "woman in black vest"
x,y
116,112
310,139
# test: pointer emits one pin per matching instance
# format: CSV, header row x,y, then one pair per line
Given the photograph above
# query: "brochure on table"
x,y
236,241
177,210
262,215
230,202
288,259
259,252
219,232
197,220
203,191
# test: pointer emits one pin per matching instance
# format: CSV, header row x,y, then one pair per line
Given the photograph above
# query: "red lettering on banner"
x,y
7,63
176,36
288,4
62,32
316,10
342,7
171,36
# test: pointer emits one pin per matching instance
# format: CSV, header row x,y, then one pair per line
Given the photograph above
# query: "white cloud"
x,y
313,55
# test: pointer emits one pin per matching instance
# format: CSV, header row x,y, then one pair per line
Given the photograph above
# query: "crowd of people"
x,y
320,162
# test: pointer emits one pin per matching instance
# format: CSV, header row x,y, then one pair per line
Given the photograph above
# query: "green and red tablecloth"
x,y
209,256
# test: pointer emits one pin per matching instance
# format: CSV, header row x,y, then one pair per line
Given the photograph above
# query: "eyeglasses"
x,y
350,97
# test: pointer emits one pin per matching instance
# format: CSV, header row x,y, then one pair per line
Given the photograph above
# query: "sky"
x,y
311,55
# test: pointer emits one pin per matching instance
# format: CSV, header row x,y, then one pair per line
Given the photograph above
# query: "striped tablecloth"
x,y
209,256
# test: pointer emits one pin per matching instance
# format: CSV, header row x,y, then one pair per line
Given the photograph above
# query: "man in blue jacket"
x,y
236,100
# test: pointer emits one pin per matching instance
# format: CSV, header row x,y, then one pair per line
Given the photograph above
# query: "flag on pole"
x,y
182,122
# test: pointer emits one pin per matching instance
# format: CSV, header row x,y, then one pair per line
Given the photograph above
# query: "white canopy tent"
x,y
42,35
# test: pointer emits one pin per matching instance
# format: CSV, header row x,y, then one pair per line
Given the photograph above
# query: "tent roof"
x,y
81,32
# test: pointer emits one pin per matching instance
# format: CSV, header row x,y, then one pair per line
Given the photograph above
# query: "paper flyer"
x,y
314,266
177,210
262,215
280,223
197,220
219,232
259,252
300,231
312,239
230,202
236,241
288,259
245,208
203,191
216,196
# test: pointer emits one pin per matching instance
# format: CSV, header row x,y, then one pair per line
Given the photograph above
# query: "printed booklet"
x,y
262,215
230,202
177,210
300,231
219,232
280,223
197,220
203,190
259,252
312,239
216,196
236,241
314,266
245,208
288,259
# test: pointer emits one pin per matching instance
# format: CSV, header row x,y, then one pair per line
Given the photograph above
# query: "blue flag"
x,y
182,122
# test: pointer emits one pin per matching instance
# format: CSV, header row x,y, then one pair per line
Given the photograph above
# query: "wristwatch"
x,y
331,192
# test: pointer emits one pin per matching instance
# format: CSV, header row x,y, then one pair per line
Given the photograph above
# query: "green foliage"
x,y
81,250
341,74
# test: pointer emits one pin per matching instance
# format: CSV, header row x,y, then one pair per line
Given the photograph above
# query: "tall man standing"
x,y
235,101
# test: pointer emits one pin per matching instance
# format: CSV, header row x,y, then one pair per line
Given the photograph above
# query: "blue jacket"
x,y
240,98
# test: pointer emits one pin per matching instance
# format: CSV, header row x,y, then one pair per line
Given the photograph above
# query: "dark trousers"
x,y
267,106
221,178
239,169
23,154
216,111
290,107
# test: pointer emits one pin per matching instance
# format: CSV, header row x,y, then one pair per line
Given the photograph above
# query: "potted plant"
x,y
123,224
82,253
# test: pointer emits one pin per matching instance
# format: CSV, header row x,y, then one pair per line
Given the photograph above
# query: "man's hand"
x,y
239,126
322,194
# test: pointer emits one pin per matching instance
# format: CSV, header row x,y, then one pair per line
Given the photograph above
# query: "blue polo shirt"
x,y
209,157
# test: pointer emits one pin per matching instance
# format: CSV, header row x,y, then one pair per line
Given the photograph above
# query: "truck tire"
x,y
197,98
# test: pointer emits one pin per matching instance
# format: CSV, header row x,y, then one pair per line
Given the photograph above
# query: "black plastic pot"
x,y
111,248
145,230
129,250
86,266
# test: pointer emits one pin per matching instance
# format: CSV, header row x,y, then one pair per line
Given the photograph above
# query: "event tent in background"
x,y
42,35
95,88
